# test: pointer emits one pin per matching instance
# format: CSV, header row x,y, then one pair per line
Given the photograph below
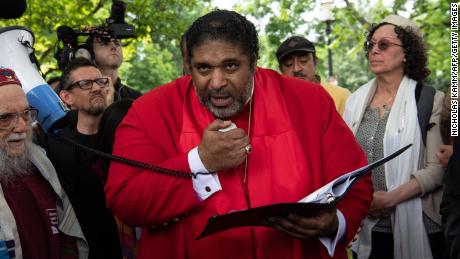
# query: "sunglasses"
x,y
382,45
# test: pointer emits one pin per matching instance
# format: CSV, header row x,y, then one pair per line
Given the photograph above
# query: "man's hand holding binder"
x,y
313,216
324,224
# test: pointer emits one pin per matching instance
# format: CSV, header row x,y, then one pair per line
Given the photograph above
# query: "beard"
x,y
13,165
234,108
95,110
96,107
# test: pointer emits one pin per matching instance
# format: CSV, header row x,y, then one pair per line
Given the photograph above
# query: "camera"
x,y
114,28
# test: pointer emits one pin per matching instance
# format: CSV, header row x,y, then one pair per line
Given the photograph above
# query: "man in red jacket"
x,y
261,139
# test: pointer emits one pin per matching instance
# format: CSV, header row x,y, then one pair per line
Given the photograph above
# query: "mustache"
x,y
223,92
16,136
299,74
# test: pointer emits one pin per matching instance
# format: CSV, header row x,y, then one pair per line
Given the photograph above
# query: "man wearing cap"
x,y
36,217
256,137
297,58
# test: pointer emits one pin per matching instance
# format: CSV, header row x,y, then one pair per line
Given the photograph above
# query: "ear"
x,y
66,97
255,60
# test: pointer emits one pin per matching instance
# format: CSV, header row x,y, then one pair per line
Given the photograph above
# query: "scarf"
x,y
409,235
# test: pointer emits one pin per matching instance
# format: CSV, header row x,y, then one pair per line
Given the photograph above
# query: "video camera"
x,y
114,28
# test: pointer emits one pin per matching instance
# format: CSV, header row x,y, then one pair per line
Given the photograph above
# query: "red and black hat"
x,y
7,76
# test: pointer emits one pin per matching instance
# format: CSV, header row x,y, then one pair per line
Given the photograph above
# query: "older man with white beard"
x,y
85,90
36,217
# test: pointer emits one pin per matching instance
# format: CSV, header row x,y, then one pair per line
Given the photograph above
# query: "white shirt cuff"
x,y
330,243
204,185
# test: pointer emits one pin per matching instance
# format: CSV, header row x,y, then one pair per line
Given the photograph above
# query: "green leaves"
x,y
352,21
153,58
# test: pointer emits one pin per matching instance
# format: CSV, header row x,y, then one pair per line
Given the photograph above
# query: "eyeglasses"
x,y
381,45
88,83
9,120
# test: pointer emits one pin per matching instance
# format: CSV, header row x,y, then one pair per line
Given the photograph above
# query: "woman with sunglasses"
x,y
403,220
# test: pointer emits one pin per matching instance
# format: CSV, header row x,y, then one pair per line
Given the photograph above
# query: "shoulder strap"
x,y
424,96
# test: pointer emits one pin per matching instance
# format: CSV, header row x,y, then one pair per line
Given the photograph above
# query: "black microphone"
x,y
12,9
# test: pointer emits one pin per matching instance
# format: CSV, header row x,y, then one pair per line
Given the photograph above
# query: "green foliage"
x,y
149,70
283,18
43,17
153,58
435,20
349,28
146,64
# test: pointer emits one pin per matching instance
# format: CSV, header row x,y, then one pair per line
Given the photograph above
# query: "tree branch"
x,y
45,75
99,5
45,54
355,13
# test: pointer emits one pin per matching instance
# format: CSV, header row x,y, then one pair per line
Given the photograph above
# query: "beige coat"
x,y
430,174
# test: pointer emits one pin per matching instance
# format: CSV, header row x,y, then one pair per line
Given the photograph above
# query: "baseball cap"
x,y
294,44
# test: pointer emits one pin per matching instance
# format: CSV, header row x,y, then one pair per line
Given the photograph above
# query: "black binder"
x,y
322,199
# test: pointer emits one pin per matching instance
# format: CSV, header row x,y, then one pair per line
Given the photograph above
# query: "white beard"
x,y
11,166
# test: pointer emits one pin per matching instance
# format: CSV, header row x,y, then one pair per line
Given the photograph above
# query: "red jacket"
x,y
299,143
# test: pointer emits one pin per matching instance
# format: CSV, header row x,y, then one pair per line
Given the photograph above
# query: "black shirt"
x,y
85,190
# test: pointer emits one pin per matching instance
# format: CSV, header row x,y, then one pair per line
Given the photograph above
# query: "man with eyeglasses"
x,y
297,58
85,90
36,215
108,55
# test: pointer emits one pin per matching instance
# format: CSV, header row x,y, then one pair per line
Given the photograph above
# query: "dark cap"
x,y
294,44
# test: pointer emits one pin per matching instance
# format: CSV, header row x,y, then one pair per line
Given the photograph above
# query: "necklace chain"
x,y
388,101
249,134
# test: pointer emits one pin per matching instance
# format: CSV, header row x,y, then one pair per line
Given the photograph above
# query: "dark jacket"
x,y
85,189
123,91
450,206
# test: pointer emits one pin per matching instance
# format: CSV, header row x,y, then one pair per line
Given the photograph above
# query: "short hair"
x,y
227,26
66,79
415,66
89,42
